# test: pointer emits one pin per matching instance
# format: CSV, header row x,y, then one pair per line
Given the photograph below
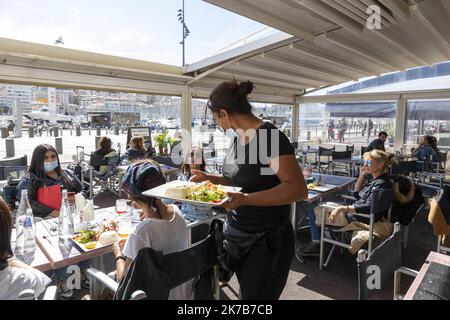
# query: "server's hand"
x,y
235,200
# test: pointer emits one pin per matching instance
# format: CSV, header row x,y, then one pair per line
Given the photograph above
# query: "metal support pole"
x,y
295,120
186,118
10,151
59,145
400,121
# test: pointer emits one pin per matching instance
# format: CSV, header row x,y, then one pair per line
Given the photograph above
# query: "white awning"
x,y
330,43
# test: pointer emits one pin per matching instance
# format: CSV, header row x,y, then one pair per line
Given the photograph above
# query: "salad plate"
x,y
204,193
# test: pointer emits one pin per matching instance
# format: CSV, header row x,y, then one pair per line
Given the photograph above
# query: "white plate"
x,y
160,193
98,245
323,187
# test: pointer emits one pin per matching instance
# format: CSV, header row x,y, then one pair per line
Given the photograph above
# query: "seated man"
x,y
373,174
378,144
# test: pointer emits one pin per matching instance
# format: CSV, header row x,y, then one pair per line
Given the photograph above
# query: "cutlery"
x,y
46,238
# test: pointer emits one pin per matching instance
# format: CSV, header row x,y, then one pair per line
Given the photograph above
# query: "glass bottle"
x,y
25,231
66,227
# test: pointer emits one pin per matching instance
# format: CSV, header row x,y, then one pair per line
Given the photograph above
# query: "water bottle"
x,y
66,227
25,231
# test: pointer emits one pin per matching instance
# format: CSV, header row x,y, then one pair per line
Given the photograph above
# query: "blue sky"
x,y
141,29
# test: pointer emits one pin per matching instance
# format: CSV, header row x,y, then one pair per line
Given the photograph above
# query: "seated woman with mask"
x,y
45,180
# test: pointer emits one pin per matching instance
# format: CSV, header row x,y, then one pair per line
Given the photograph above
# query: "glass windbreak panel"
x,y
34,115
427,117
279,114
341,124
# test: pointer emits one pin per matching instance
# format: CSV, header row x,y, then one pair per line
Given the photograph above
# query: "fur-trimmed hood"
x,y
407,197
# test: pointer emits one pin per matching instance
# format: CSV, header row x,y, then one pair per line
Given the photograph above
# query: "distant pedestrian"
x,y
330,128
342,129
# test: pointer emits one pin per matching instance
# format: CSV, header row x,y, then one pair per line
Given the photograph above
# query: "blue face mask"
x,y
50,166
230,133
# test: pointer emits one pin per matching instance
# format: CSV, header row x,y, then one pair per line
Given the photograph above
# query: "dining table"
x,y
433,280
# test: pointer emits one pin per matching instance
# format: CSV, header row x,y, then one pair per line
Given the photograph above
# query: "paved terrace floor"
x,y
338,281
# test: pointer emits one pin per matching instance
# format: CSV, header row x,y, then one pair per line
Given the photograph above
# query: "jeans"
x,y
263,272
315,232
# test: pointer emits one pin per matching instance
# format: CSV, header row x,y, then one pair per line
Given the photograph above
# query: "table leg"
x,y
100,263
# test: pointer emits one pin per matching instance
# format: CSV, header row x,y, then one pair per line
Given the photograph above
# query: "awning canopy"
x,y
330,44
362,109
416,110
428,110
315,43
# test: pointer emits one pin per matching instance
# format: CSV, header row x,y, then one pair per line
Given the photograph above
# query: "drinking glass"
x,y
125,227
121,206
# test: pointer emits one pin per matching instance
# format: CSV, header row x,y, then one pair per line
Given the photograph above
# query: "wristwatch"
x,y
120,258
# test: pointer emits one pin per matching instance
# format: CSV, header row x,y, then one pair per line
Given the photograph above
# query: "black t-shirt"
x,y
247,166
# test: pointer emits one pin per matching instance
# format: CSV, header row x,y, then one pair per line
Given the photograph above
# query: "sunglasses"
x,y
368,163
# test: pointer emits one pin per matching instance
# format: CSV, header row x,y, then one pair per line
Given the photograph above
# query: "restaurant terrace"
x,y
348,72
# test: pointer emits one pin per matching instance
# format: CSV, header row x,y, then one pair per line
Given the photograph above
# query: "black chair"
x,y
405,168
363,150
10,193
22,161
351,148
381,201
439,166
14,172
387,259
180,267
101,171
323,162
15,168
168,161
341,168
341,155
97,160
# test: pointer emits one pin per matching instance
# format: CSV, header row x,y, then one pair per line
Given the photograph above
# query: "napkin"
x,y
80,202
89,211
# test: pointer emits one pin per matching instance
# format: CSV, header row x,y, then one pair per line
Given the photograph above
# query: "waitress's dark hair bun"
x,y
232,97
245,88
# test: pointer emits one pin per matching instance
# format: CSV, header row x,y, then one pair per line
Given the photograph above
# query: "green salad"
x,y
86,236
208,193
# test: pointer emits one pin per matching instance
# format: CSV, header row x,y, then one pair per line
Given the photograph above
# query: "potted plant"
x,y
162,141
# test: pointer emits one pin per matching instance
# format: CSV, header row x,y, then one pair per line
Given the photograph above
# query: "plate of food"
x,y
204,193
319,186
105,235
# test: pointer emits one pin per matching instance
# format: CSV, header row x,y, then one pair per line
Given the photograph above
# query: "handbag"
x,y
50,197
